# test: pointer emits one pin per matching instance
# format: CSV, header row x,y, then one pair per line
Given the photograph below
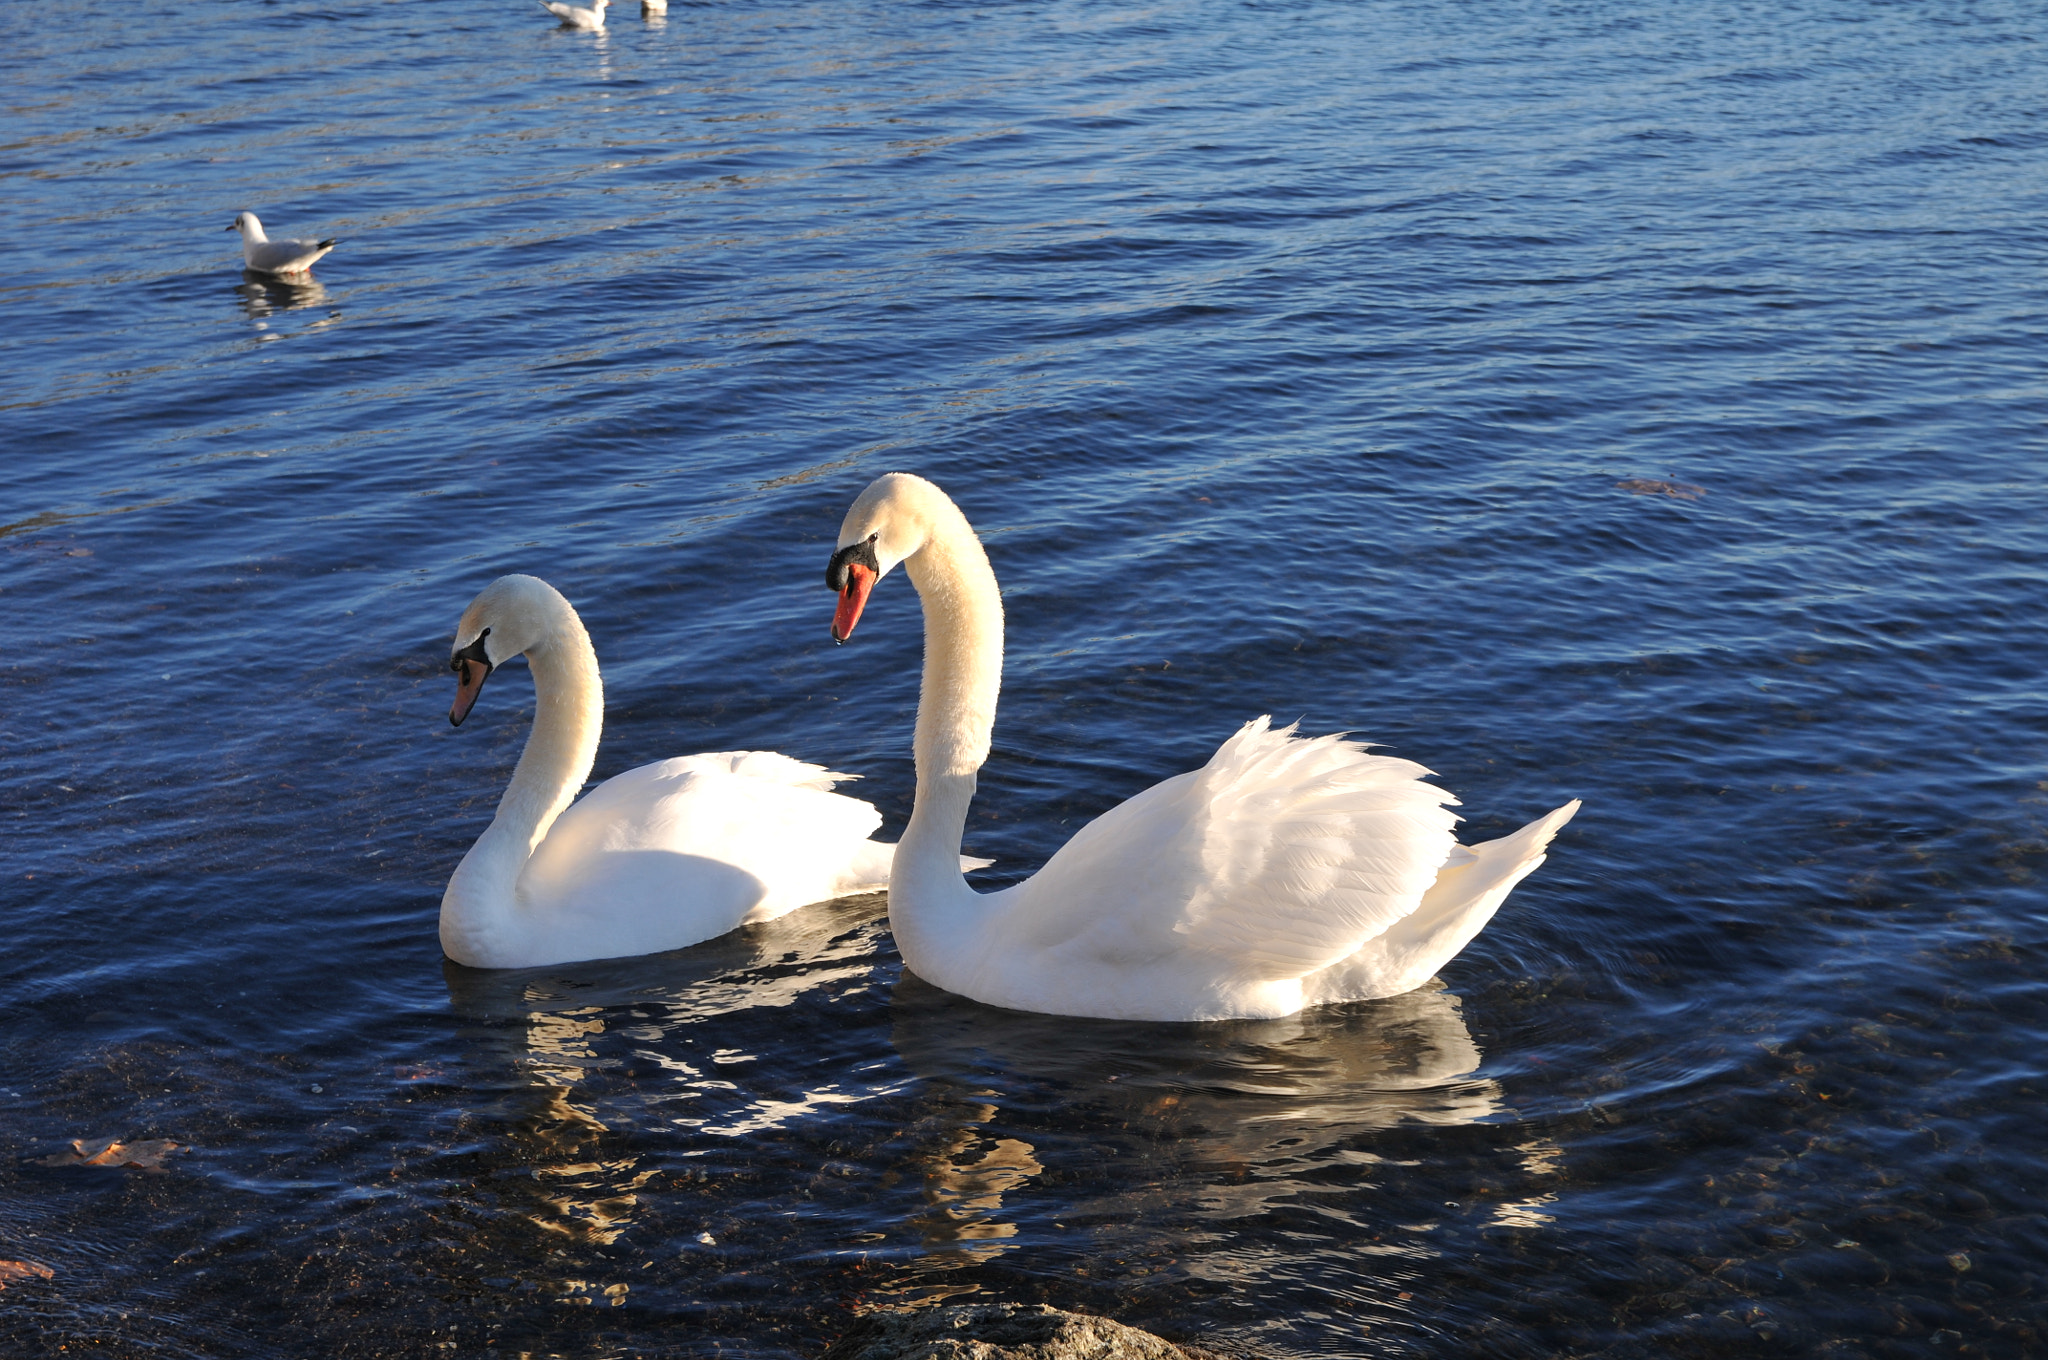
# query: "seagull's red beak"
x,y
853,597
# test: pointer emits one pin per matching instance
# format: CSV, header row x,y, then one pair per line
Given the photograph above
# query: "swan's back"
x,y
691,847
1215,892
770,767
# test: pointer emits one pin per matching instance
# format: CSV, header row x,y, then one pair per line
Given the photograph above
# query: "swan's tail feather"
x,y
869,870
1469,889
1531,839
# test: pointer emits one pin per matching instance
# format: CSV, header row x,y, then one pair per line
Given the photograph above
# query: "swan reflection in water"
x,y
266,295
647,1015
580,1194
977,1130
1153,1129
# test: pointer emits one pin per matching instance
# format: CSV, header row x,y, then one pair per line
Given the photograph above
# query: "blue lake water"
x,y
1640,404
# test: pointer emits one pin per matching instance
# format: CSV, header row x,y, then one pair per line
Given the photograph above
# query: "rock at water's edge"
x,y
1002,1331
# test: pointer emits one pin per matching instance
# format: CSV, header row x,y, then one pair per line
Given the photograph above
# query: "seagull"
x,y
266,256
654,6
577,16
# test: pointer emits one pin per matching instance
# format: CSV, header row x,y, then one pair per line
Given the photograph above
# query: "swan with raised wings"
x,y
1286,872
659,857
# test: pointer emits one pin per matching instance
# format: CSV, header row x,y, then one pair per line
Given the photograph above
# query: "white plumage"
x,y
694,846
660,857
577,16
261,253
1286,872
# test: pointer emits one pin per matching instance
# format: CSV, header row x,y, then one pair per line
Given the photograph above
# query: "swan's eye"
x,y
473,652
860,554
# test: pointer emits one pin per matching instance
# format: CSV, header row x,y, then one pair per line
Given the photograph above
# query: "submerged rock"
x,y
1002,1331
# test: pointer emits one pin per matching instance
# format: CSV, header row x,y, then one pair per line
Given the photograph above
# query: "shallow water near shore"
x,y
1638,407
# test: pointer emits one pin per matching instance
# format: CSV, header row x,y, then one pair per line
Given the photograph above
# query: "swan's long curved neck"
x,y
956,712
568,718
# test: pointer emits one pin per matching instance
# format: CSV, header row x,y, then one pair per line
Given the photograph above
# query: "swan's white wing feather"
x,y
705,804
1277,858
1311,847
693,847
770,767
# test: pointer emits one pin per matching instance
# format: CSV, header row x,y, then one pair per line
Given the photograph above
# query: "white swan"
x,y
1284,873
266,256
656,858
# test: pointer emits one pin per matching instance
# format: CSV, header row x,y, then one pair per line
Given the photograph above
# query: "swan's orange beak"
x,y
853,573
853,597
470,677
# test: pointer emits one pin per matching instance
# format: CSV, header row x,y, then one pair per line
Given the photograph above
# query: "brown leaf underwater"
x,y
149,1154
10,1271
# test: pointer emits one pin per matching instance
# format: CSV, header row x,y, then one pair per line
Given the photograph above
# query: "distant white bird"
x,y
577,16
653,7
261,253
